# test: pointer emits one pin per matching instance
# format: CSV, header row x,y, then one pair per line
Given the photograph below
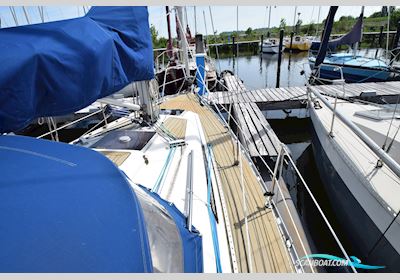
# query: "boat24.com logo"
x,y
330,260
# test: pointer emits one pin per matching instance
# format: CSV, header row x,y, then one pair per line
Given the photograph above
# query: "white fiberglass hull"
x,y
365,219
270,48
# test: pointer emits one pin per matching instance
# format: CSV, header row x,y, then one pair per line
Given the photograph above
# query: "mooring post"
x,y
233,46
200,64
291,40
380,40
373,41
395,43
261,42
278,71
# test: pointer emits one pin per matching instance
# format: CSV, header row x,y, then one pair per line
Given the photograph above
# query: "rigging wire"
x,y
205,28
41,13
26,15
390,126
215,39
312,14
14,15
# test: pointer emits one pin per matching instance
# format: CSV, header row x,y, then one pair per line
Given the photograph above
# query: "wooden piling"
x,y
278,71
395,43
379,41
233,46
291,40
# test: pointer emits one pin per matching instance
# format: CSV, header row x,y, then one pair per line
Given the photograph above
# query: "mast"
x,y
195,21
183,41
319,13
186,17
358,43
237,31
269,20
294,18
169,44
205,23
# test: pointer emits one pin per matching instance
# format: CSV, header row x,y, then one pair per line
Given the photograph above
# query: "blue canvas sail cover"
x,y
57,68
353,36
65,208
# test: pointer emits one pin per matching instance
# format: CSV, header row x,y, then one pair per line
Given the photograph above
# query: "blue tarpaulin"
x,y
65,208
353,36
57,68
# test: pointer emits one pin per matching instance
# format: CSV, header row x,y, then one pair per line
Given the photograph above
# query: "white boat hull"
x,y
270,48
362,217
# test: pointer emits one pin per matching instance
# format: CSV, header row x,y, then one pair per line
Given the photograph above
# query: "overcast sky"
x,y
224,16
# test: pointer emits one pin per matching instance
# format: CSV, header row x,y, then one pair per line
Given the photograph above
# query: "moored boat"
x,y
270,45
361,178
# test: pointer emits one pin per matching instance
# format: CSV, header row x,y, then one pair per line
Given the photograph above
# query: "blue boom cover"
x,y
60,67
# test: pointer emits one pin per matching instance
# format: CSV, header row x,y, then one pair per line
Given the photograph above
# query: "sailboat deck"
x,y
267,248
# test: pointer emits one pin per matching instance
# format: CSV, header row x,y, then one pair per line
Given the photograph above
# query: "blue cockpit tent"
x,y
60,67
65,208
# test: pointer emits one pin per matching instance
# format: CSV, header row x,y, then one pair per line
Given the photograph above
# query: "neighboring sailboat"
x,y
351,67
363,189
174,75
357,146
297,43
270,45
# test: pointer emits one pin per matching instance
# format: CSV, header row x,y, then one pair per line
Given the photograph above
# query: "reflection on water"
x,y
260,70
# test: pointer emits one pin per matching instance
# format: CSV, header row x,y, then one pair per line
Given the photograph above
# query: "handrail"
x,y
71,123
189,192
382,155
246,154
271,172
320,210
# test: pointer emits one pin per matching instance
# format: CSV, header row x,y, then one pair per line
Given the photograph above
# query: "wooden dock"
x,y
233,83
299,94
268,252
255,132
247,105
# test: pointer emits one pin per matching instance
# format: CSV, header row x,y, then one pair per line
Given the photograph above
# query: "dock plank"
x,y
255,137
266,135
244,132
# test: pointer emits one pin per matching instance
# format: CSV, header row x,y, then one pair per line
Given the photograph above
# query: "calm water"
x,y
260,71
